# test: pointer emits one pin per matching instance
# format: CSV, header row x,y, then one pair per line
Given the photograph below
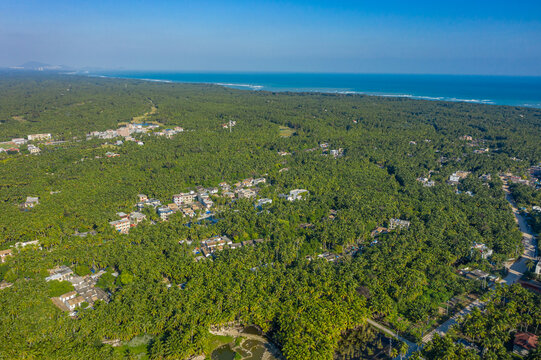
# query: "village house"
x,y
37,137
75,302
62,273
297,194
4,254
379,231
136,217
205,200
398,224
188,212
33,149
483,249
19,141
184,198
225,186
245,193
30,202
466,137
68,296
259,181
524,342
228,194
259,203
164,212
174,207
142,197
248,182
122,225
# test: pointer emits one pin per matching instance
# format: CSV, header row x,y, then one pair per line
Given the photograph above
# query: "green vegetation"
x,y
286,131
307,306
57,288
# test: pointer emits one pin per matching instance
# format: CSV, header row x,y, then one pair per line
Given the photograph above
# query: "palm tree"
x,y
530,264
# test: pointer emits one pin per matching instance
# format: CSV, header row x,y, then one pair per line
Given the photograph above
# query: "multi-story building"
x,y
184,198
37,137
122,225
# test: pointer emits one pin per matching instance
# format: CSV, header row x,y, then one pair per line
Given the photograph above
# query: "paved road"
x,y
412,347
516,270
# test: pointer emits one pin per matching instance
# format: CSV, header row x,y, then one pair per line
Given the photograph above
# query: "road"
x,y
516,270
412,347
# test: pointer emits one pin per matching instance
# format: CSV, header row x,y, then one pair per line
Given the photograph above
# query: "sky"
x,y
438,36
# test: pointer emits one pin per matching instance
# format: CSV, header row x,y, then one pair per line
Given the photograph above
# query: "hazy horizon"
x,y
390,37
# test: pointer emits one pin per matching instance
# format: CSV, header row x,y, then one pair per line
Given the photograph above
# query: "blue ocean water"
x,y
495,90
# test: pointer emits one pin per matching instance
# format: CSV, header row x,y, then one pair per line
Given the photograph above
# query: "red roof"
x,y
527,341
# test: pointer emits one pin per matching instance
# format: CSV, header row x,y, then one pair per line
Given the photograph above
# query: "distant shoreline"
x,y
422,87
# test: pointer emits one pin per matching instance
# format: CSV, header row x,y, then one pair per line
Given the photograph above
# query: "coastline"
x,y
285,84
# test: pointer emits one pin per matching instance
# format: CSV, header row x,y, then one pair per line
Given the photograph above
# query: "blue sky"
x,y
443,37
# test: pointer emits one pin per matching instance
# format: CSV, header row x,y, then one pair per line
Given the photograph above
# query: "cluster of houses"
x,y
124,131
85,290
127,221
480,275
168,133
325,150
13,145
217,243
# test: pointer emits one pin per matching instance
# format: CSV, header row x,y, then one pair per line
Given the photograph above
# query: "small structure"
x,y
483,249
142,197
62,273
30,202
259,203
164,212
33,149
524,343
297,194
37,137
246,193
398,224
136,217
75,302
379,231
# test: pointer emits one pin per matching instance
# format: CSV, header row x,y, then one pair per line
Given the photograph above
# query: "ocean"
x,y
491,90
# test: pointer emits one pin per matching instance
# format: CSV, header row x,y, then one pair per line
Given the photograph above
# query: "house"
x,y
483,249
398,223
33,149
248,182
122,215
524,343
140,143
174,207
225,186
453,179
466,137
32,200
37,137
379,231
19,141
259,203
188,212
122,225
246,193
68,296
4,254
75,302
164,212
228,194
259,181
142,197
136,217
62,273
123,131
205,200
184,198
297,194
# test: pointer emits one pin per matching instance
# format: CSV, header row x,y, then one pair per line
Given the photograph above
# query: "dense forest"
x,y
304,303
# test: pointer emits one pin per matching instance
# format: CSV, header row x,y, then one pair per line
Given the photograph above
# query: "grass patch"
x,y
286,131
214,341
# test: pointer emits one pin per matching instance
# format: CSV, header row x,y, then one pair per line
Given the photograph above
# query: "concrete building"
x,y
37,137
122,225
4,254
184,198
